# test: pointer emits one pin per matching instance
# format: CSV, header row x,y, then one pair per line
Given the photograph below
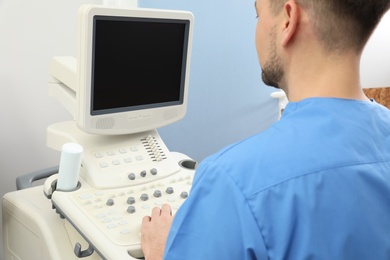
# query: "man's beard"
x,y
272,72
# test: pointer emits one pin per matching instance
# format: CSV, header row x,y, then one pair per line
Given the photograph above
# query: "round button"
x,y
184,194
153,171
131,209
157,193
143,173
130,200
169,190
131,176
144,197
110,202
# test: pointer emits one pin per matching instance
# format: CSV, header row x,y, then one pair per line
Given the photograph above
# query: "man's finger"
x,y
156,212
146,220
166,209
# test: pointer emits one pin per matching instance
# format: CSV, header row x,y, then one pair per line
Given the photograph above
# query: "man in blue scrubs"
x,y
315,185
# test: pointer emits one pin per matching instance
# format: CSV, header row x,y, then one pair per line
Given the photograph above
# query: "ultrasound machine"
x,y
130,77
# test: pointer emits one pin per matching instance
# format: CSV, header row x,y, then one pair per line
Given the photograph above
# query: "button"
x,y
123,222
157,193
87,203
134,148
130,200
153,171
86,196
139,157
99,155
128,160
184,194
169,190
116,162
125,231
131,209
113,225
122,150
104,164
106,220
111,153
101,215
144,197
110,202
143,173
131,176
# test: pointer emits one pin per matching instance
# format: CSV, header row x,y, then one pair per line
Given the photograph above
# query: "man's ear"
x,y
290,21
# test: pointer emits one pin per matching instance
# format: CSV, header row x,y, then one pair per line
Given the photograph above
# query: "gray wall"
x,y
375,65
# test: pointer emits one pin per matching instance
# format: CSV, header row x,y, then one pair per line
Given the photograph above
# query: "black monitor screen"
x,y
137,63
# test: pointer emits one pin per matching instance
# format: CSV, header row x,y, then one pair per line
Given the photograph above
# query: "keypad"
x,y
118,157
118,212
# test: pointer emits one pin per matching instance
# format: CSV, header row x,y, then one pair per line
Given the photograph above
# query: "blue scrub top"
x,y
316,185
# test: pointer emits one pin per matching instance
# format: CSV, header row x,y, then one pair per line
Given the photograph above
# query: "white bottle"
x,y
69,170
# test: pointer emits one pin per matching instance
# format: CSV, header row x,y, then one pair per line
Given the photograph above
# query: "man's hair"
x,y
341,25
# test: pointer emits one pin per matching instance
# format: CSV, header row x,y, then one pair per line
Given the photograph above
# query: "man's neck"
x,y
325,76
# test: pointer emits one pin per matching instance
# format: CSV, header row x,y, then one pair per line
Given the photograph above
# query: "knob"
x,y
184,194
144,197
153,171
130,200
131,176
131,209
157,193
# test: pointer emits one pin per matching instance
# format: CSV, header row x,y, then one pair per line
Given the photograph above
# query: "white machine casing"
x,y
106,215
113,229
108,160
32,230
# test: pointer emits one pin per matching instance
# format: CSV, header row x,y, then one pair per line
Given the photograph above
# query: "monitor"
x,y
133,69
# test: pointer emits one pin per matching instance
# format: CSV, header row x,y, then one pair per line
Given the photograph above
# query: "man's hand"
x,y
155,231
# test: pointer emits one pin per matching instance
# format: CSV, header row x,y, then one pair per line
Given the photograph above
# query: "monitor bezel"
x,y
129,120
